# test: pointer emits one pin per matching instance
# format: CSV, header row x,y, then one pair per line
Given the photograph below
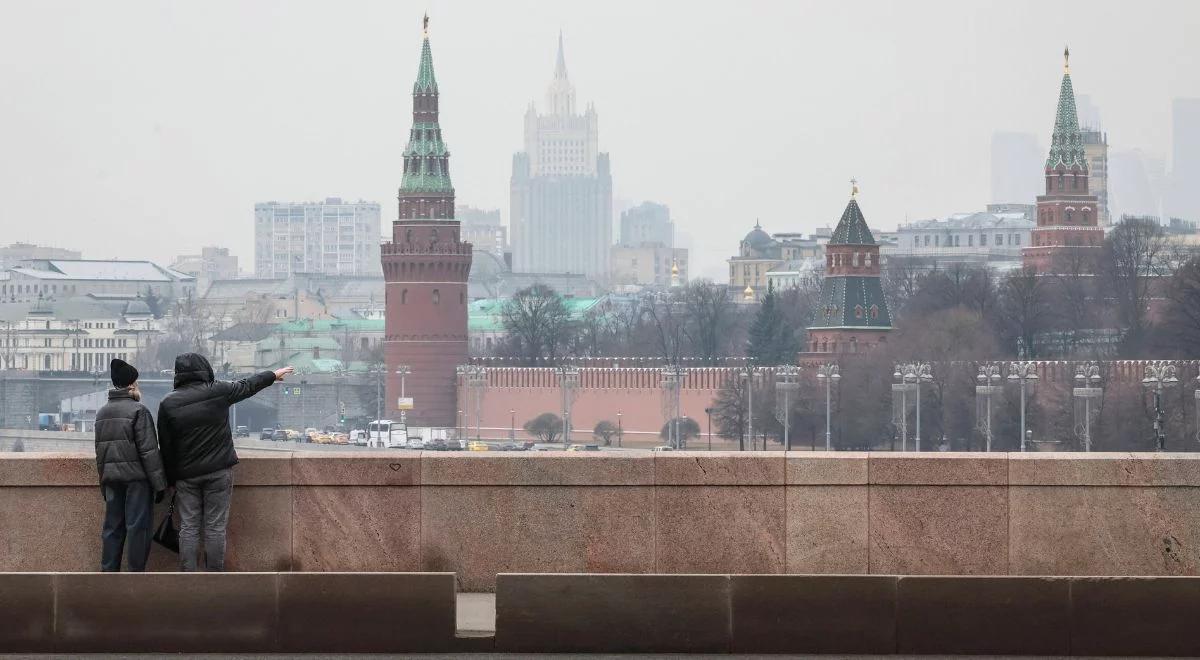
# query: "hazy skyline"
x,y
150,129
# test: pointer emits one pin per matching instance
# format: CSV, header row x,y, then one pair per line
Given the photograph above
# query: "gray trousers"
x,y
203,503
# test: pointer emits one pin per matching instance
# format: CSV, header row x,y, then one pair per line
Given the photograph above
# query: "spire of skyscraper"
x,y
560,67
560,95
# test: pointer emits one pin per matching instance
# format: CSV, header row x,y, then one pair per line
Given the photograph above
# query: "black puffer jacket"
x,y
126,446
193,420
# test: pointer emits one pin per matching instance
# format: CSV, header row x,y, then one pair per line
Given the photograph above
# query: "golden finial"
x,y
853,188
425,26
1066,59
748,294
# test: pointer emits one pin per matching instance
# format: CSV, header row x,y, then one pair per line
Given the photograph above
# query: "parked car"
x,y
663,448
591,447
416,443
280,435
267,434
294,436
510,446
476,445
575,448
241,432
340,438
455,444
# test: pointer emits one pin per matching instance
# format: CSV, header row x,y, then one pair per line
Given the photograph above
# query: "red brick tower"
x,y
1068,236
426,267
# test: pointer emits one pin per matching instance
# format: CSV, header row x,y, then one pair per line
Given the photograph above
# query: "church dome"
x,y
757,238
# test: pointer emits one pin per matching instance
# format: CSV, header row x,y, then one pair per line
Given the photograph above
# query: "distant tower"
x,y
425,268
561,187
853,315
1067,237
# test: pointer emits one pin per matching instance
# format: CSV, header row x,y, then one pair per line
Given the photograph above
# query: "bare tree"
x,y
712,316
1135,257
605,431
1180,334
1025,310
538,323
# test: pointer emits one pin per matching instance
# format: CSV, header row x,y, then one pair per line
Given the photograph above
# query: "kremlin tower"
x,y
1068,237
425,268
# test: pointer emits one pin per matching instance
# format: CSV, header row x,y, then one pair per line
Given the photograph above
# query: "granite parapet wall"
x,y
481,514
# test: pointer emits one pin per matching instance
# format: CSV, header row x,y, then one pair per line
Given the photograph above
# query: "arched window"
x,y
437,297
858,311
854,344
408,236
874,311
1070,216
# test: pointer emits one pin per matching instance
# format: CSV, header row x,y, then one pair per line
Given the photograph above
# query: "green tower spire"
x,y
426,83
426,157
1066,145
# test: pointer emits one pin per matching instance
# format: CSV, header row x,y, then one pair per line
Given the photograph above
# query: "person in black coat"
x,y
197,447
131,471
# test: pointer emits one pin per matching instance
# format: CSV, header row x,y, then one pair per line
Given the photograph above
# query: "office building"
x,y
333,237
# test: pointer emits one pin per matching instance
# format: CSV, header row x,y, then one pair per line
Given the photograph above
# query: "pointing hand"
x,y
280,373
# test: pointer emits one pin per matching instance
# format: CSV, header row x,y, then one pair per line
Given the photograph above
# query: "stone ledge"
x,y
536,469
1104,469
937,469
719,468
827,468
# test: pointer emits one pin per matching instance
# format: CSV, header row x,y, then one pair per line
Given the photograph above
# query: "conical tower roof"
x,y
1066,145
852,229
426,82
560,65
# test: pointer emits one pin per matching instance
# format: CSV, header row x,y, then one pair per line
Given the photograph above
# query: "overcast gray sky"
x,y
146,129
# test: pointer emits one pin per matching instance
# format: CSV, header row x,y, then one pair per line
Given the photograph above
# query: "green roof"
x,y
852,228
486,315
426,83
298,343
306,363
1066,145
852,301
331,326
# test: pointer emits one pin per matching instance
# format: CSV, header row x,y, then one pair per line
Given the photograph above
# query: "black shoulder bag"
x,y
166,535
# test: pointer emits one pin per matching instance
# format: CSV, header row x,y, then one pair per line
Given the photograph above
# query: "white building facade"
x,y
994,237
332,237
561,188
75,334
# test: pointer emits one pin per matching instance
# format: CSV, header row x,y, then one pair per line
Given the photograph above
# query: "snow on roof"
x,y
82,269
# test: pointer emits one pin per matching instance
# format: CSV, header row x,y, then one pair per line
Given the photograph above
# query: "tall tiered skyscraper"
x,y
1067,237
561,188
425,267
853,315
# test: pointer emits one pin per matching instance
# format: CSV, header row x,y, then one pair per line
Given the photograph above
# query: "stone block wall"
x,y
480,514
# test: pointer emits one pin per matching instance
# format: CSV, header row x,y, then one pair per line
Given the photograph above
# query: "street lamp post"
x,y
568,379
620,431
708,412
672,383
1087,388
829,373
749,375
403,371
512,425
1157,375
911,375
1022,373
989,376
786,378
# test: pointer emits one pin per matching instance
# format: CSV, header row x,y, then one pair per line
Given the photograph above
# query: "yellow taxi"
x,y
476,445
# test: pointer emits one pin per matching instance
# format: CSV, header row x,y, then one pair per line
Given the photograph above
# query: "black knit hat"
x,y
123,374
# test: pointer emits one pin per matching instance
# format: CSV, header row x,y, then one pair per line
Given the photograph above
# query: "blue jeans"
x,y
128,516
203,503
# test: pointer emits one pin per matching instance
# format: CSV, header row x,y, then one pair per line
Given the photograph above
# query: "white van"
x,y
386,434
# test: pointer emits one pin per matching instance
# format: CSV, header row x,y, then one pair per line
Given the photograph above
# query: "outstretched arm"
x,y
245,388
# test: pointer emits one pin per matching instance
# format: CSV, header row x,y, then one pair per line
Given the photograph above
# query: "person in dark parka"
x,y
197,447
131,471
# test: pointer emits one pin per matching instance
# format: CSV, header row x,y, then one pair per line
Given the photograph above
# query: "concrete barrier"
x,y
847,614
226,612
478,514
